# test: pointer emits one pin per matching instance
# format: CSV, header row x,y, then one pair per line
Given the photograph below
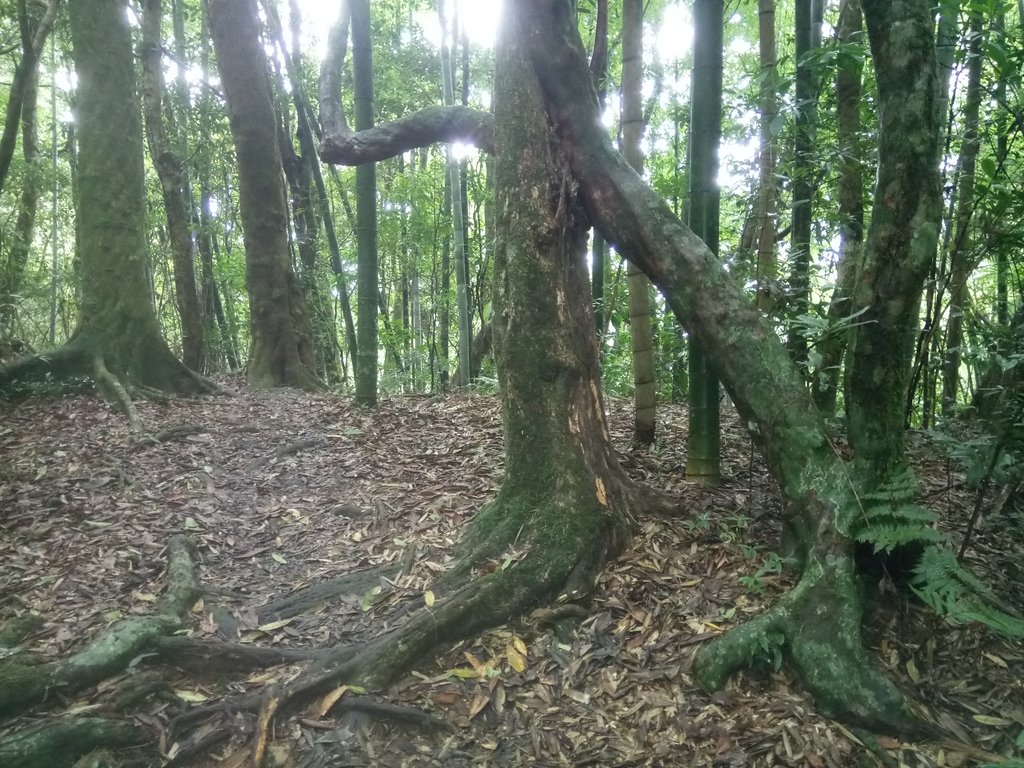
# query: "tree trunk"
x,y
455,183
366,210
960,257
172,186
12,271
825,385
767,266
281,352
599,250
903,235
704,437
641,314
818,622
117,340
27,69
808,37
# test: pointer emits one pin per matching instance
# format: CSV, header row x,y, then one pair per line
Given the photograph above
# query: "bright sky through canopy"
x,y
479,18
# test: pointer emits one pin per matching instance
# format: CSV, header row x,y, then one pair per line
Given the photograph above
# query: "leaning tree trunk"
x,y
281,350
118,340
817,624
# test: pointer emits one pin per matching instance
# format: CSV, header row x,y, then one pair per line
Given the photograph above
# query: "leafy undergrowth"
x,y
282,490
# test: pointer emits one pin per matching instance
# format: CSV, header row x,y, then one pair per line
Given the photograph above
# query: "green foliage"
x,y
891,517
952,591
771,565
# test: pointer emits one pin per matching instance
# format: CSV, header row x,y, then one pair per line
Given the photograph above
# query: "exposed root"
x,y
113,390
23,686
817,627
62,742
212,657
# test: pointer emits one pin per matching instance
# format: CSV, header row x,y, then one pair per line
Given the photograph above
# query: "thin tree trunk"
x,y
458,211
825,385
32,42
808,37
945,54
960,259
367,278
599,250
703,440
13,270
767,265
641,313
172,186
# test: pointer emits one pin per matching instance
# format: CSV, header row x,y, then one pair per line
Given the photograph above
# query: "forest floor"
x,y
282,490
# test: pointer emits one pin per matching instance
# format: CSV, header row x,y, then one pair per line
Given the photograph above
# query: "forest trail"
x,y
282,490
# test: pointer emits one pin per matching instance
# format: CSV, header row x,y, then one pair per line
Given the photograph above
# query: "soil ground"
x,y
283,489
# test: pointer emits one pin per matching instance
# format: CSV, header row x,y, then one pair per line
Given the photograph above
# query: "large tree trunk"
x,y
817,624
118,340
565,504
903,235
281,351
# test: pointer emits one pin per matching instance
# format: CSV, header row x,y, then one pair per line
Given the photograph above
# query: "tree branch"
x,y
430,125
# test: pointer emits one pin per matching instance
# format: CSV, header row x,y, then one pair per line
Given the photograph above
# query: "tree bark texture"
x,y
281,350
903,234
818,622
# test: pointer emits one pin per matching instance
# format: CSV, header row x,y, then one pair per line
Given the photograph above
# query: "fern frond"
x,y
951,590
885,537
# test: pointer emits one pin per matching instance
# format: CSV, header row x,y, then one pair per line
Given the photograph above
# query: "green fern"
x,y
885,537
891,518
947,587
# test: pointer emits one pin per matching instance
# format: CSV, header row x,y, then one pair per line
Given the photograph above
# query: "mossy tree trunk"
x,y
118,340
816,625
281,349
565,505
903,234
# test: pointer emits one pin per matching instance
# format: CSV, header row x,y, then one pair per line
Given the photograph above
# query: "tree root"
x,y
60,743
113,390
23,686
314,595
208,657
817,627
